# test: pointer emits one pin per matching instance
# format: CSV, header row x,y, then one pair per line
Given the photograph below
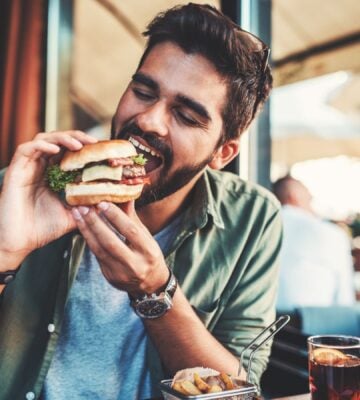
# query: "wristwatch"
x,y
7,276
155,305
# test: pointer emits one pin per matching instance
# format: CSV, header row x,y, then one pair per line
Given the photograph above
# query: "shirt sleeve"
x,y
251,307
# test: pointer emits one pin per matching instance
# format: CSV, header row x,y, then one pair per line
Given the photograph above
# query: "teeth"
x,y
133,141
143,148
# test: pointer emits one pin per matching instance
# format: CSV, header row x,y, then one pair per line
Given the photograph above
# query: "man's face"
x,y
171,111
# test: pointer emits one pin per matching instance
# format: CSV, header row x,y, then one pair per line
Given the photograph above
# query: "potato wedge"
x,y
200,383
227,380
190,388
177,386
215,389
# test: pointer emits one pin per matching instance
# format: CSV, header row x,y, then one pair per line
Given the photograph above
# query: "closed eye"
x,y
186,119
143,95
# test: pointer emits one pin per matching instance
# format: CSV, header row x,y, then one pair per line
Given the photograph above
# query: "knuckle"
x,y
22,146
151,255
112,247
39,135
101,254
133,230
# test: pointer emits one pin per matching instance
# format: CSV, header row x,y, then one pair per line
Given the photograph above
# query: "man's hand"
x,y
133,263
30,214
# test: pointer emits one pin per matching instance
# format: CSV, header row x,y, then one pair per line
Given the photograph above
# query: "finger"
x,y
65,140
76,134
129,209
72,140
128,225
99,236
82,136
35,149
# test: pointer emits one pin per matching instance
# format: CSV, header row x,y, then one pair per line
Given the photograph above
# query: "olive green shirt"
x,y
224,257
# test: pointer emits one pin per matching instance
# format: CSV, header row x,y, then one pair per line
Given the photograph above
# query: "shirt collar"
x,y
204,204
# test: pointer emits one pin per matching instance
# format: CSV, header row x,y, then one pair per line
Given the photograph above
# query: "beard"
x,y
167,183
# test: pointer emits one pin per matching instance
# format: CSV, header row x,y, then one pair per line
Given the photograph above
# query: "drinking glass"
x,y
334,367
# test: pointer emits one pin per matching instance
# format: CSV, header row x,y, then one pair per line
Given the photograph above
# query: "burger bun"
x,y
94,192
96,152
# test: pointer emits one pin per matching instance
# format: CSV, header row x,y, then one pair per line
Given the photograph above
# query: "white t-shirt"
x,y
315,263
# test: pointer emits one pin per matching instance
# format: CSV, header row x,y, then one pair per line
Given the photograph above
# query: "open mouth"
x,y
154,159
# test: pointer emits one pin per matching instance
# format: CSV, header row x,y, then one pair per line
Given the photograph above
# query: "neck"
x,y
155,216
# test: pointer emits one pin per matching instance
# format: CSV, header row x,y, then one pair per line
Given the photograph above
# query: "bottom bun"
x,y
87,194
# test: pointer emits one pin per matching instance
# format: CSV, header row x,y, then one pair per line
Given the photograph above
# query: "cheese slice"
x,y
102,172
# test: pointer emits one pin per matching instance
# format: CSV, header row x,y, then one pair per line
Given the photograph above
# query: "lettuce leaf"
x,y
139,159
58,179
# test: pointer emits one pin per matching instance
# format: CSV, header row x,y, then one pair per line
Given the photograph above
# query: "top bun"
x,y
95,152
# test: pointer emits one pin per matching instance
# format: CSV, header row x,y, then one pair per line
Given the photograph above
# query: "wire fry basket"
x,y
245,390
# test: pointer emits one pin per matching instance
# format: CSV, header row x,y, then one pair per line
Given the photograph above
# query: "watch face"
x,y
152,308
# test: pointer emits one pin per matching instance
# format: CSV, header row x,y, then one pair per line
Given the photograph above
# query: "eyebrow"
x,y
182,99
145,80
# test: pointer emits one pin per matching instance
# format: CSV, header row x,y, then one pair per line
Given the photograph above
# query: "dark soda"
x,y
339,381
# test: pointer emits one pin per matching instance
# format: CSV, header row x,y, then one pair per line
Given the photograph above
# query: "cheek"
x,y
191,148
124,107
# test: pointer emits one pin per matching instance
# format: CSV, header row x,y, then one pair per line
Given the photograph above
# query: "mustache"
x,y
133,129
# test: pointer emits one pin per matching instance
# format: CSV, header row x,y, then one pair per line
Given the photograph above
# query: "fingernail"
x,y
83,210
76,214
103,205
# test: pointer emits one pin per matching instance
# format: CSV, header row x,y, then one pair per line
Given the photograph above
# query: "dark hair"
x,y
282,187
237,55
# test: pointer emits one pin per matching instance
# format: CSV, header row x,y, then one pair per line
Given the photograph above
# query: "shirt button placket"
x,y
51,328
30,396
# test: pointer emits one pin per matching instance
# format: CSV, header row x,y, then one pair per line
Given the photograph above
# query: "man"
x,y
67,328
315,264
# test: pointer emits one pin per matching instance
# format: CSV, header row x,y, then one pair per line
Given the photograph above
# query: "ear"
x,y
224,154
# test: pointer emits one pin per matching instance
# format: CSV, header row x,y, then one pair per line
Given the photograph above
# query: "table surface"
x,y
298,397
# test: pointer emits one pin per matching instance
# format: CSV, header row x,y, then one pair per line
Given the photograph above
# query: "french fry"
x,y
215,389
177,386
189,388
200,383
227,380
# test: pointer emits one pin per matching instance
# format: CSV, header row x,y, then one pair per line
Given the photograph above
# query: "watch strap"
x,y
170,289
171,285
7,277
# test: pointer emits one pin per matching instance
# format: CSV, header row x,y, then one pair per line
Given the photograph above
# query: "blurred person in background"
x,y
316,267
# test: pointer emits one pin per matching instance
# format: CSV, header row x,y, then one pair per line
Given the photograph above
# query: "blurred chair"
x,y
338,320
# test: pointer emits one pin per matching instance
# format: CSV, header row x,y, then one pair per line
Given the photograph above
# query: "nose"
x,y
154,119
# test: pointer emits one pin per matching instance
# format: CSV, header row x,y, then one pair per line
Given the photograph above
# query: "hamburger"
x,y
109,170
